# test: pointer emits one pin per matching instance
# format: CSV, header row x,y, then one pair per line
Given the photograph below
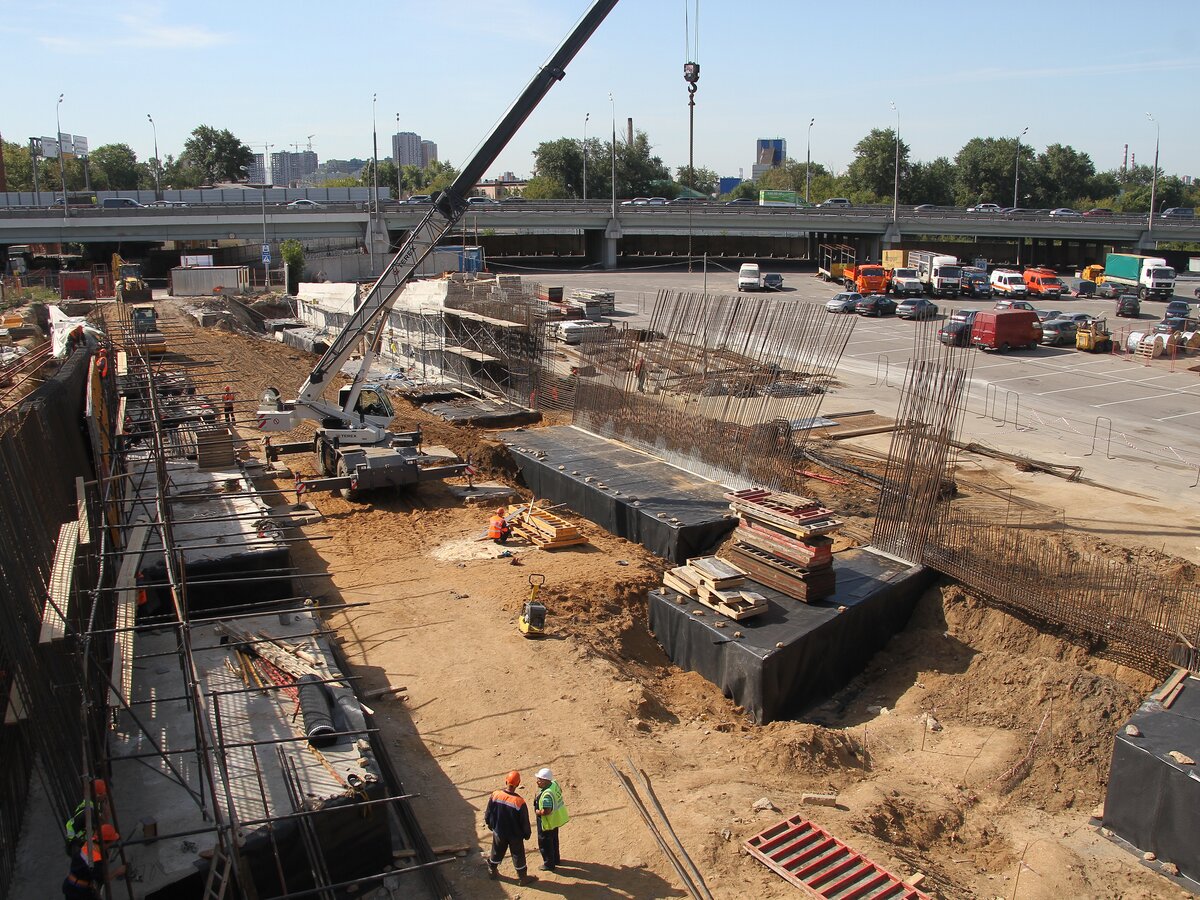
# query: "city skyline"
x,y
991,80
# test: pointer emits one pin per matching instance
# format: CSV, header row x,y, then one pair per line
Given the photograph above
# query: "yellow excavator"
x,y
128,282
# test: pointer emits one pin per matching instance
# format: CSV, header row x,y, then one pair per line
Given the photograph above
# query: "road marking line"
x,y
1133,400
1082,387
1178,416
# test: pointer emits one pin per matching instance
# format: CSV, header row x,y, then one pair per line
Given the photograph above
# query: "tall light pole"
x,y
586,116
613,104
896,186
1154,176
1017,168
808,160
374,158
157,164
396,156
62,167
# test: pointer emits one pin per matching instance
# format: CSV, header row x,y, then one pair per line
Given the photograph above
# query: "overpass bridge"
x,y
870,228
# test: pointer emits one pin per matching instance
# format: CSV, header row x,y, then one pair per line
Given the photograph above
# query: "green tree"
x,y
985,169
929,182
1064,175
637,169
561,162
18,169
792,176
544,187
747,190
873,170
387,176
178,174
114,167
437,176
705,179
293,255
215,155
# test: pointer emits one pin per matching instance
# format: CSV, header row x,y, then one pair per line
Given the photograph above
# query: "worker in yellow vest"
x,y
551,816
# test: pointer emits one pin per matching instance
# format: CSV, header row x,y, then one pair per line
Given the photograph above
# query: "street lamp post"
x,y
157,164
396,156
62,166
896,185
808,160
586,116
374,158
1154,176
613,104
1017,169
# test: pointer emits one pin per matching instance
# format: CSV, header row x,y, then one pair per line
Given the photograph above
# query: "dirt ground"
x,y
991,801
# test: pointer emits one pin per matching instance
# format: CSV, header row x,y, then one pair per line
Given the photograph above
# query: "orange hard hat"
x,y
108,834
513,778
500,511
100,787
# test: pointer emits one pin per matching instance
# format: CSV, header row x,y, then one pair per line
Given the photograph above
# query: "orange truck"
x,y
868,278
1043,282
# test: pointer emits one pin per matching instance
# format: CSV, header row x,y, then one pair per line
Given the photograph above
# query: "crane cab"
x,y
372,405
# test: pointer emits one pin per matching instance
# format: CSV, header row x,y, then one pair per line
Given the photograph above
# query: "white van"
x,y
1007,283
749,278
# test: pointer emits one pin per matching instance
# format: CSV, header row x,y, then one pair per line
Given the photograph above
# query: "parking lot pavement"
x,y
1054,400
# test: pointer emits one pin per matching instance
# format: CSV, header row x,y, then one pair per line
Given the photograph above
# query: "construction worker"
x,y
639,370
89,868
227,397
498,528
551,816
508,818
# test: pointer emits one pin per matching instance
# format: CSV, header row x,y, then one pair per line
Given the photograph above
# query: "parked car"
x,y
1064,212
1171,326
845,302
772,281
1098,211
1014,304
955,334
1058,331
985,208
964,315
917,308
877,305
1109,290
304,203
835,203
481,201
1177,309
1178,212
1129,307
1046,315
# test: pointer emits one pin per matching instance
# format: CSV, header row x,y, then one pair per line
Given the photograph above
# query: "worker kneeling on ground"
x,y
89,867
508,818
498,529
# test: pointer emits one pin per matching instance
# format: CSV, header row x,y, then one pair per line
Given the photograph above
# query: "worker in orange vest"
x,y
498,528
228,398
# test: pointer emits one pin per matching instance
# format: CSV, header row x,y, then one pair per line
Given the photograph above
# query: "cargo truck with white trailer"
x,y
940,274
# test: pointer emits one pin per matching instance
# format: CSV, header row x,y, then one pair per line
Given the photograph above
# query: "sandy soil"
x,y
994,804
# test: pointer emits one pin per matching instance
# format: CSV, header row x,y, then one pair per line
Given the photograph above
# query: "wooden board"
x,y
58,590
734,604
678,584
715,572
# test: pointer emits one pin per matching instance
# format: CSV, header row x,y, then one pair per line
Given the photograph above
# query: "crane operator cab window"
x,y
373,403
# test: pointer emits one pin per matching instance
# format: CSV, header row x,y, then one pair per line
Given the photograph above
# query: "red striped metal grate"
x,y
822,866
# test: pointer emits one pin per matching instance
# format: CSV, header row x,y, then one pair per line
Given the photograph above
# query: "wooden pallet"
x,y
809,857
793,551
544,529
716,573
770,570
734,602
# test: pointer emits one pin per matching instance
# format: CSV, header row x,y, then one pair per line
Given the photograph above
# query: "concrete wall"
x,y
201,197
202,281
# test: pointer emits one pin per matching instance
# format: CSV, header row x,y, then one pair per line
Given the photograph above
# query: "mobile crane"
x,y
354,449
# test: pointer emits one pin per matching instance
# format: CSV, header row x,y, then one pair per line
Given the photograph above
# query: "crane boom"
x,y
446,210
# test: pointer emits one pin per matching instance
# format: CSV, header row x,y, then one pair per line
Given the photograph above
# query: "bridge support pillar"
x,y
892,238
612,235
378,244
869,248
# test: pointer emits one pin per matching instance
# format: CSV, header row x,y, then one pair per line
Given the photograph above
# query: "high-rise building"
x,y
258,172
288,169
769,153
428,153
406,148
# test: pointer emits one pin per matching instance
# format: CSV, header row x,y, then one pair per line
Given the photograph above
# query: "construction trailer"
x,y
833,260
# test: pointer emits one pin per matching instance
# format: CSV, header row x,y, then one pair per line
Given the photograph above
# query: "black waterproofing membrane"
x,y
484,413
795,653
1153,802
626,492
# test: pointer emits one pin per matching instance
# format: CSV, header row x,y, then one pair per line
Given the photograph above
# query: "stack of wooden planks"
x,y
717,584
782,541
543,528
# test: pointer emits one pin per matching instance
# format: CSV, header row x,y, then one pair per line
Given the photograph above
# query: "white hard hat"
x,y
545,775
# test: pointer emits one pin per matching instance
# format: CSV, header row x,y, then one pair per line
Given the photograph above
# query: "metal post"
x,y
62,166
396,157
896,187
35,150
1154,176
266,262
375,159
157,164
808,161
1017,170
613,104
586,116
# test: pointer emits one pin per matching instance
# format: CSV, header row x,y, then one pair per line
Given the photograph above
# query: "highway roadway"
x,y
1071,405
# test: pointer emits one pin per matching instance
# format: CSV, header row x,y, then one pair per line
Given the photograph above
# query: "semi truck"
x,y
941,275
1150,276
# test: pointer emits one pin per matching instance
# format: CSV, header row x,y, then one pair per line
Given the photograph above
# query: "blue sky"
x,y
1078,73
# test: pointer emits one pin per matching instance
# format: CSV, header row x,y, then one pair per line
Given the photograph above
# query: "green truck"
x,y
780,198
1149,276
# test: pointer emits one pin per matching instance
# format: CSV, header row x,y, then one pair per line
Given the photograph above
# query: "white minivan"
x,y
1008,283
749,278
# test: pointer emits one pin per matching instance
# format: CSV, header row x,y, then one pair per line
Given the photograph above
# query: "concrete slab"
x,y
484,492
